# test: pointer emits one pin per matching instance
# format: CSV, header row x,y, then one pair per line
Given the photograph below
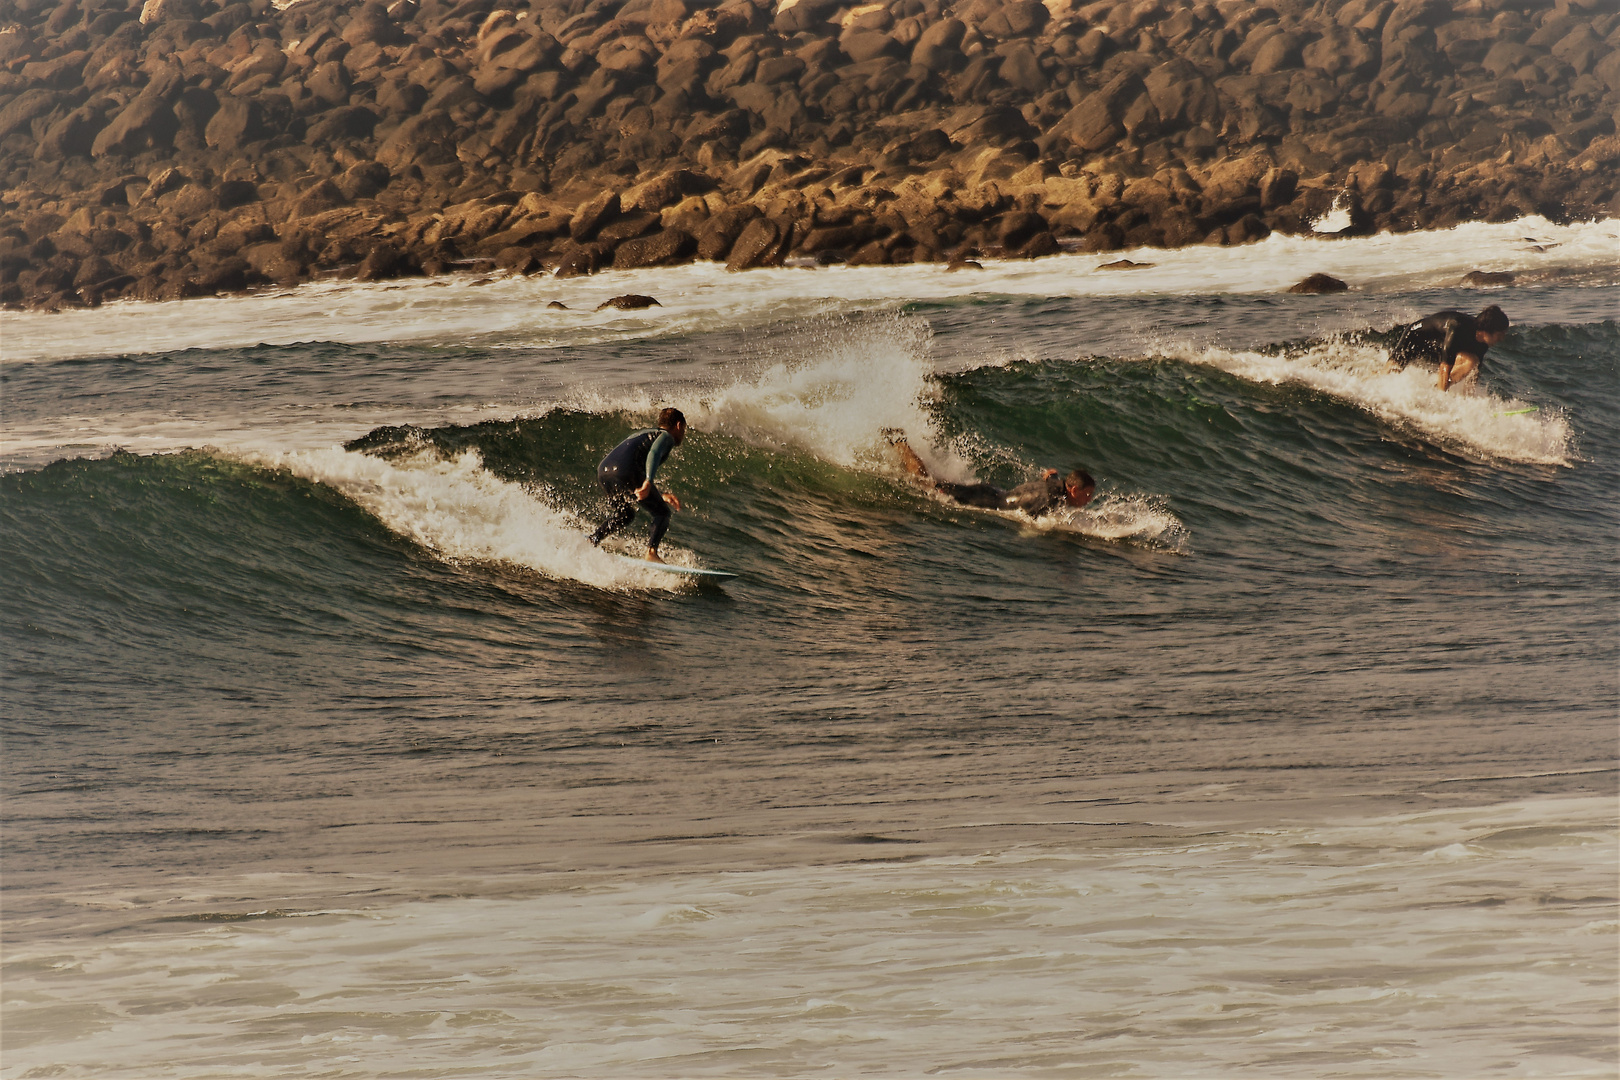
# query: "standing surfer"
x,y
1452,340
629,469
1034,498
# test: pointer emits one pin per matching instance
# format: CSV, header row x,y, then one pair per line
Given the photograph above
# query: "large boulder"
x,y
427,139
147,123
759,244
21,110
71,136
720,235
1098,121
660,249
592,215
238,122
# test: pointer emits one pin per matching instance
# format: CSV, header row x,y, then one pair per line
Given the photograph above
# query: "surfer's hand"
x,y
674,503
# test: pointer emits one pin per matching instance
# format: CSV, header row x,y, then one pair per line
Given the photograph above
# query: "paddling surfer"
x,y
1035,498
628,470
1455,342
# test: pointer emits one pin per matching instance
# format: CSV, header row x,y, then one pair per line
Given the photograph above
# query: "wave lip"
x,y
1469,419
457,509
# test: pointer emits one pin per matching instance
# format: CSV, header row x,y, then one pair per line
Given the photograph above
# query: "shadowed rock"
x,y
1317,284
629,302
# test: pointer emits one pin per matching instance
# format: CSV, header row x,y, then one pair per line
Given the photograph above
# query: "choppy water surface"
x,y
332,747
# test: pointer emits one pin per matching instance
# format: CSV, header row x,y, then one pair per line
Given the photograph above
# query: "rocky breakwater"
x,y
173,148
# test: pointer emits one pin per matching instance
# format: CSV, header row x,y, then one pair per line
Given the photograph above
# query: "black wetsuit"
x,y
627,466
1438,339
1034,498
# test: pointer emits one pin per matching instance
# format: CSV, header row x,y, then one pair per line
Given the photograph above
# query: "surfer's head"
x,y
674,422
1493,324
1079,487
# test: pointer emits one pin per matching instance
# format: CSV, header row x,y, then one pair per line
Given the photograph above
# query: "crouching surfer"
x,y
1034,498
628,471
1453,341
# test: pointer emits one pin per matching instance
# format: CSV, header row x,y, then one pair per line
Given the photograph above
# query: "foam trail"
x,y
1135,518
458,510
1471,419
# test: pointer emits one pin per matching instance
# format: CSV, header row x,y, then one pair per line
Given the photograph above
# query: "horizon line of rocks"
x,y
189,147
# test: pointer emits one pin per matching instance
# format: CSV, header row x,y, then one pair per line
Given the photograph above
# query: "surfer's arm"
x,y
656,454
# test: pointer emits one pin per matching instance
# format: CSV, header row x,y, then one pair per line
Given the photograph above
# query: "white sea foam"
x,y
512,311
1442,942
1468,418
1125,517
839,397
457,509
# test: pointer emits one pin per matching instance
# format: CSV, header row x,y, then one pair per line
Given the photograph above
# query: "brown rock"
x,y
628,227
1488,278
363,180
721,233
1317,284
384,262
17,113
666,190
1038,246
1097,121
146,123
1124,264
518,260
428,139
580,259
592,215
323,196
71,136
629,302
1278,187
237,123
759,244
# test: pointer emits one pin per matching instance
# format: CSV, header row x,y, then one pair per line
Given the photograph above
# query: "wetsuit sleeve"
x,y
657,452
1456,338
1036,497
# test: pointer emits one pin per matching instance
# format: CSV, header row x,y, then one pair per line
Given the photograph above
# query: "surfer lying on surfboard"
x,y
1034,498
629,469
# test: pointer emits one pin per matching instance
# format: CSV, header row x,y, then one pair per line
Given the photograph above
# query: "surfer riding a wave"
x,y
629,469
1035,498
1454,342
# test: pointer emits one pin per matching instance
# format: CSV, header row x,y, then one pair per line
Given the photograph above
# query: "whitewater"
x,y
332,746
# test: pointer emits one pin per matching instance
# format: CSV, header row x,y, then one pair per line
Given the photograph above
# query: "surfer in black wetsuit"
x,y
629,469
1034,498
1453,341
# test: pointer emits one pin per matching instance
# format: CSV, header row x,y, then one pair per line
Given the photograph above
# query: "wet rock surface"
x,y
162,149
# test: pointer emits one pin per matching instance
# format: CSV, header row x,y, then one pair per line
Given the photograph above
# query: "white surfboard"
x,y
671,568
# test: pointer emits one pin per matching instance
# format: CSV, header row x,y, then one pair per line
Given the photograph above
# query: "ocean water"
x,y
331,748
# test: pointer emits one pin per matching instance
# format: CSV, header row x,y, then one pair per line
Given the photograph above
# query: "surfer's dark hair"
x,y
668,418
1493,320
1080,479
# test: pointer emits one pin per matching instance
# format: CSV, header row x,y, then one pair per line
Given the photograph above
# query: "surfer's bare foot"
x,y
653,556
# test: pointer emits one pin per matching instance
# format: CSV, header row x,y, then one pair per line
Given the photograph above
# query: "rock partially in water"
x,y
629,302
1317,284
